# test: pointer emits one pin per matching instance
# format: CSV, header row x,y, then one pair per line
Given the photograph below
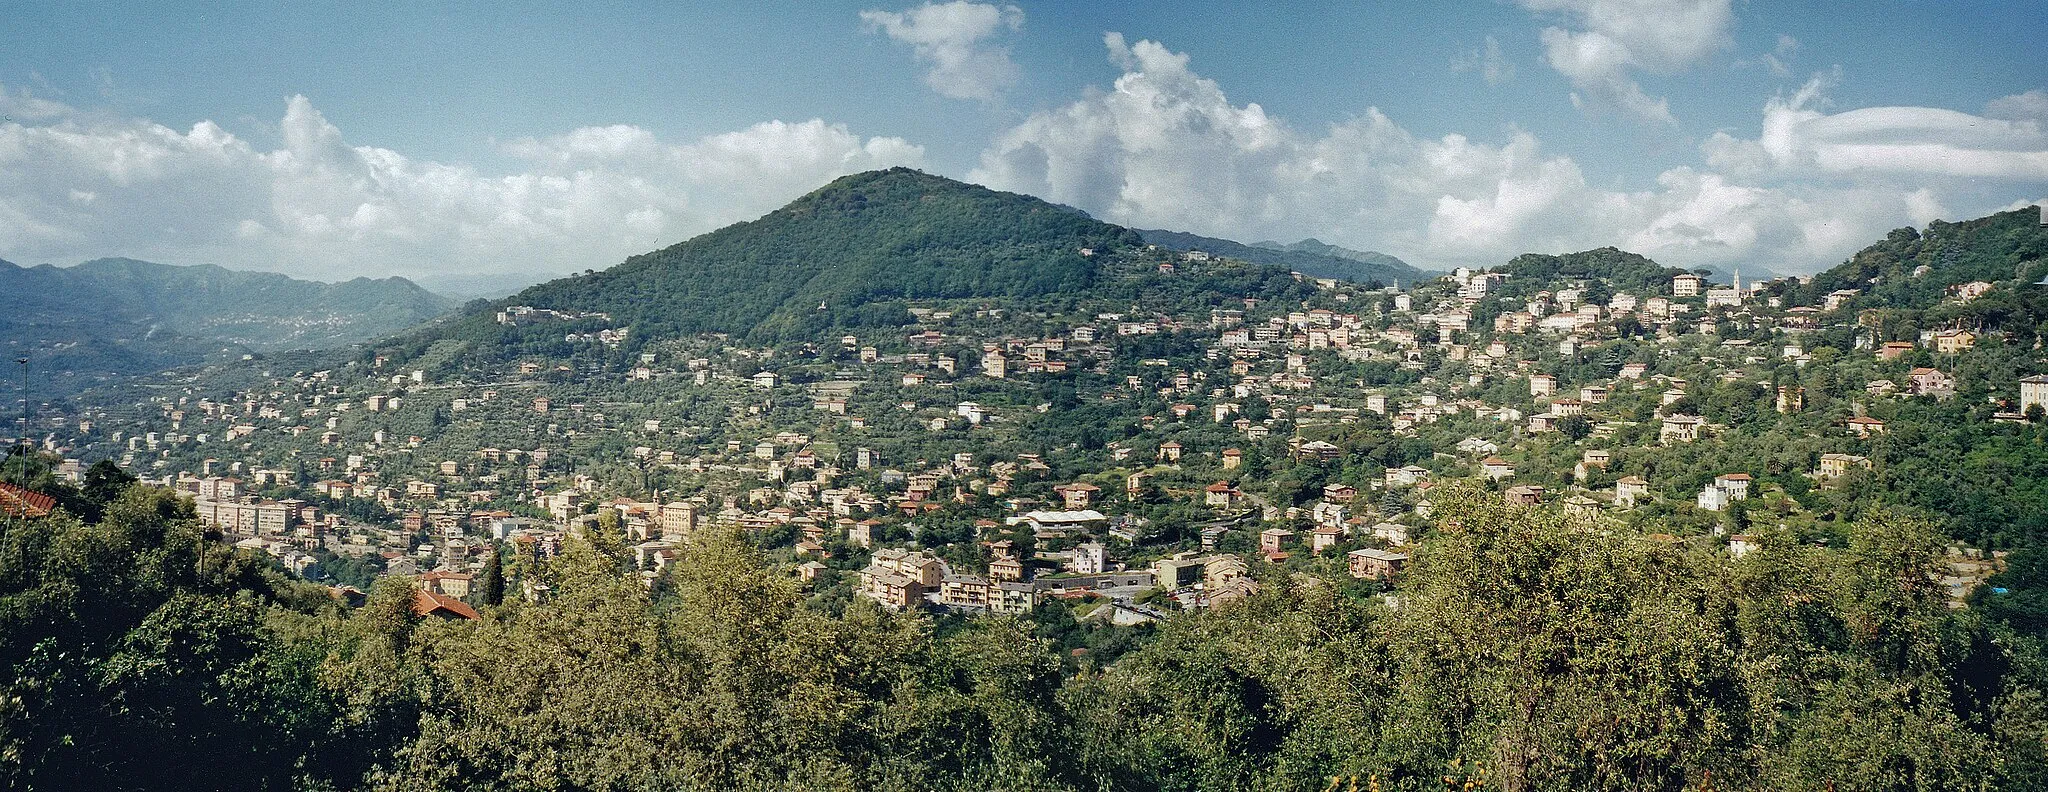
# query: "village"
x,y
917,468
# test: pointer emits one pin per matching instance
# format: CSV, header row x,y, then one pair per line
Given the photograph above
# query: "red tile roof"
x,y
18,502
427,603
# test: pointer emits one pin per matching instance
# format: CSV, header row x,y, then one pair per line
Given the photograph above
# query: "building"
x,y
1078,495
1949,342
1629,490
1838,465
1090,558
2034,391
1930,382
1367,562
1221,495
1726,488
1686,285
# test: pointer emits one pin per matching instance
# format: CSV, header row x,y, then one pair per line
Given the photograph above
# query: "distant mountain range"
x,y
1308,257
112,318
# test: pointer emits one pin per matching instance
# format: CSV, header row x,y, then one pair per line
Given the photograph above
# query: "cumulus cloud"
x,y
1165,147
1605,42
954,40
80,187
1488,61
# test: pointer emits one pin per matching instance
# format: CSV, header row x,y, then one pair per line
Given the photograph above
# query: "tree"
x,y
1575,427
492,590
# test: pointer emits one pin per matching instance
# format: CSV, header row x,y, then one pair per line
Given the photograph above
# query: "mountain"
x,y
1912,269
826,260
1320,248
1308,257
111,318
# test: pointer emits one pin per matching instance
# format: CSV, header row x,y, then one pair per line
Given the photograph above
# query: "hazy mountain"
x,y
1308,257
111,318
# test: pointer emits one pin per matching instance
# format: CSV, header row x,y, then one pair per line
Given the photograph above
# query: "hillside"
x,y
111,318
827,260
1308,257
2003,249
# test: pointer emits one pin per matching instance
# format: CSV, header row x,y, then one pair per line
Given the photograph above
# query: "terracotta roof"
x,y
427,603
18,502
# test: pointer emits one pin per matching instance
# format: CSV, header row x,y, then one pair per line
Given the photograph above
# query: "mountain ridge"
x,y
1319,261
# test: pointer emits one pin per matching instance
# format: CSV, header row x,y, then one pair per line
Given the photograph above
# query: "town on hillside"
x,y
1168,448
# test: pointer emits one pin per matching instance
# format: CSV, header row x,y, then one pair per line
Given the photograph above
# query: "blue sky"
x,y
515,141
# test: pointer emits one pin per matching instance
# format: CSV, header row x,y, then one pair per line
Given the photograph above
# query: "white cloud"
x,y
1165,148
1493,67
1608,41
952,38
2029,106
1800,140
319,206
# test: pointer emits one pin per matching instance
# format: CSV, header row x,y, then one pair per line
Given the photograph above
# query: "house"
x,y
452,584
1368,562
809,570
1629,490
1325,537
1169,452
1221,495
1838,465
426,603
1232,458
1930,382
18,502
2034,391
1680,429
1272,539
1077,495
1726,488
1339,493
1949,342
1893,350
1496,468
1864,425
1006,569
1524,495
1541,385
767,379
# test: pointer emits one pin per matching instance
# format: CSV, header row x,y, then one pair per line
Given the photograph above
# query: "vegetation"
x,y
1523,654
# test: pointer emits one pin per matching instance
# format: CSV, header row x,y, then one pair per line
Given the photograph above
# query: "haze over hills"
x,y
110,318
1309,257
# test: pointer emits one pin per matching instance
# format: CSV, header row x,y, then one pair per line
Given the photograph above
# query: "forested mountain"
x,y
112,318
863,239
1308,257
1914,274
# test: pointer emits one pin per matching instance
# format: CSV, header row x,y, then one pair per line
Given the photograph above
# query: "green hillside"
x,y
2003,249
861,239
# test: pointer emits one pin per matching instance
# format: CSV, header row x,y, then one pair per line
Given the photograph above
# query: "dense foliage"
x,y
1520,653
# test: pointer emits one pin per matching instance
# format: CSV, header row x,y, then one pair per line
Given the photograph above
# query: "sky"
x,y
478,147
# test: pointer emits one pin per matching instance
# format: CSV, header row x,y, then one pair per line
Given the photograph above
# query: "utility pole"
x,y
21,436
